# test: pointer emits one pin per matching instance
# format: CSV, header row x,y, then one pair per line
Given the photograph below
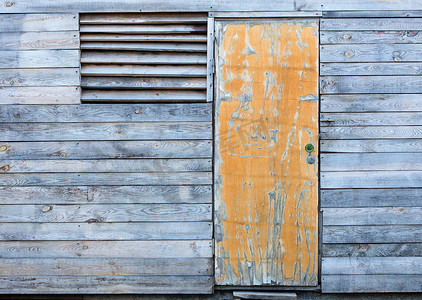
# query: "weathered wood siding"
x,y
39,59
266,192
100,198
371,175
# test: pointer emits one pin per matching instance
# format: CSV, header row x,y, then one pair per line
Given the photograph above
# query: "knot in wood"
x,y
9,4
330,82
138,111
347,36
46,208
63,154
397,58
11,82
4,148
5,168
349,53
17,116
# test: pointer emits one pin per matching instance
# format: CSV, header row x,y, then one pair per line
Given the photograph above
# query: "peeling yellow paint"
x,y
266,192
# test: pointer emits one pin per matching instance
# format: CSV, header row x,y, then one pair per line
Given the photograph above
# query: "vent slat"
x,y
107,37
134,57
150,18
142,96
143,83
176,47
144,29
144,70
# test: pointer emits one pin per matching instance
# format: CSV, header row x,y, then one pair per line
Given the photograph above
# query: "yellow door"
x,y
266,174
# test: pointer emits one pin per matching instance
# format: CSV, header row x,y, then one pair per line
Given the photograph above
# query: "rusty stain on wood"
x,y
266,192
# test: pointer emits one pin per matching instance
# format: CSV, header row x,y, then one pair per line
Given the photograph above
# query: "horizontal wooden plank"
x,y
105,231
93,213
371,265
106,194
356,5
86,113
40,77
38,22
371,197
106,284
144,70
267,14
374,145
370,84
372,250
106,249
372,216
380,24
109,82
370,119
39,59
366,69
105,267
132,57
370,37
63,179
134,28
106,149
370,53
371,179
107,37
144,18
383,234
144,46
142,96
106,165
371,103
105,131
371,283
40,95
373,14
371,132
368,162
39,40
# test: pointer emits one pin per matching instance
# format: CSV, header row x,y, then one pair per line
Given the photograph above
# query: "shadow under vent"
x,y
144,57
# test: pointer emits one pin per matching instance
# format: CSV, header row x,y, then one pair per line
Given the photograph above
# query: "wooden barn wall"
x,y
371,179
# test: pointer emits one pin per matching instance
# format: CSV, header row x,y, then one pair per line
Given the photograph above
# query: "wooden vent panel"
x,y
144,57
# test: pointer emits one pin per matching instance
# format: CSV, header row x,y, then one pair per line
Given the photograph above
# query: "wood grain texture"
x,y
366,69
107,149
39,59
372,250
106,194
371,103
39,40
40,77
373,14
143,29
340,36
373,145
143,96
105,231
371,132
137,83
107,284
105,131
144,18
145,46
40,95
106,37
367,24
105,267
131,57
356,5
144,70
87,113
266,207
370,119
38,22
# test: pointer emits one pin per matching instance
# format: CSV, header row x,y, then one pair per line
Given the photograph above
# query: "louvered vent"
x,y
144,57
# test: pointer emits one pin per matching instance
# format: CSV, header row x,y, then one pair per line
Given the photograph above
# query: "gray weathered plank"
x,y
134,28
63,179
370,84
107,37
38,22
371,179
98,213
356,5
142,83
106,231
39,59
370,37
373,145
106,194
380,24
106,249
370,53
368,162
110,112
142,95
144,70
106,149
106,165
39,40
371,265
131,57
145,46
40,77
371,283
372,216
372,250
371,197
40,95
370,119
263,295
371,69
144,18
106,284
373,14
105,267
105,131
371,132
210,59
383,234
371,103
